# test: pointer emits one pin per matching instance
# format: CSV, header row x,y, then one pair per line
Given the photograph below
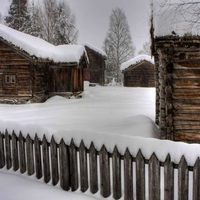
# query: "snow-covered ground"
x,y
111,115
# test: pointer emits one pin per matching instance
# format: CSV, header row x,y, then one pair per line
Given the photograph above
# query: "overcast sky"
x,y
92,19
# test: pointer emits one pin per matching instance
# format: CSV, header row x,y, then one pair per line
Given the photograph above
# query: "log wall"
x,y
178,89
140,75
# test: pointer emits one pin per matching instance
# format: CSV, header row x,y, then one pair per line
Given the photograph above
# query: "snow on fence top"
x,y
35,46
101,52
135,60
177,17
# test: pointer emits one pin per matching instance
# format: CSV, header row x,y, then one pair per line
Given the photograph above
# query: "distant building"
x,y
139,72
95,73
31,69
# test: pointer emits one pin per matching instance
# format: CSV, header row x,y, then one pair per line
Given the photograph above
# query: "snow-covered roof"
x,y
100,51
135,60
39,48
177,17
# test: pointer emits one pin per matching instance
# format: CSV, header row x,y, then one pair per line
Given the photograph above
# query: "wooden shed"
x,y
95,73
32,69
139,72
177,64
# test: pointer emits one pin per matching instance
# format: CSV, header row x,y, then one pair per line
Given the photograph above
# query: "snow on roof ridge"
x,y
98,50
135,60
40,48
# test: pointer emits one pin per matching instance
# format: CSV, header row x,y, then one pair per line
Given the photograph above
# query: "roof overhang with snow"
x,y
38,49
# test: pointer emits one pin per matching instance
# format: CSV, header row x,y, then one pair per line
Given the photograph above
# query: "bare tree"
x,y
118,43
146,49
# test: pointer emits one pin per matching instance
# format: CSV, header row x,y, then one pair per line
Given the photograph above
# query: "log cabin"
x,y
139,72
177,65
32,69
95,72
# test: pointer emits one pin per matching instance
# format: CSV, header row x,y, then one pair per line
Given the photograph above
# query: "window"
x,y
10,78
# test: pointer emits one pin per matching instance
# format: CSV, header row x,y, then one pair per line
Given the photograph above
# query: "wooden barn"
x,y
177,63
31,69
95,73
139,72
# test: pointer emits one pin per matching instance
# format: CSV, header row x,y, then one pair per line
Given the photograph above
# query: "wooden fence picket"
x,y
140,176
83,167
8,151
29,155
22,154
183,174
2,152
117,188
168,179
196,180
46,163
104,172
54,161
38,158
93,169
128,176
64,166
154,178
73,166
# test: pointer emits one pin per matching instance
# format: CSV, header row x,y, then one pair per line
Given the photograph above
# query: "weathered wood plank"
x,y
93,169
154,178
117,189
104,172
128,176
64,166
15,152
54,161
29,155
46,163
22,154
73,166
183,179
168,179
140,176
38,158
83,167
196,180
8,151
2,151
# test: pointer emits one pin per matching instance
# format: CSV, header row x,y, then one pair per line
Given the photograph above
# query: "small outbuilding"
x,y
95,73
139,72
32,69
177,62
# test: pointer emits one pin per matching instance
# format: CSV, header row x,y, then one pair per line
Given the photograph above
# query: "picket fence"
x,y
81,168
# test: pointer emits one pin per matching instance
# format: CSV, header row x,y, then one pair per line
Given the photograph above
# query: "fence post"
x,y
117,189
196,180
46,165
93,169
154,178
183,179
8,151
54,161
2,152
168,179
83,167
22,153
128,176
38,159
30,157
140,176
73,166
64,166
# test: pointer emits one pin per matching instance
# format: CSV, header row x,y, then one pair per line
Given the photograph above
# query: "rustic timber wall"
x,y
178,88
59,162
140,75
96,68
